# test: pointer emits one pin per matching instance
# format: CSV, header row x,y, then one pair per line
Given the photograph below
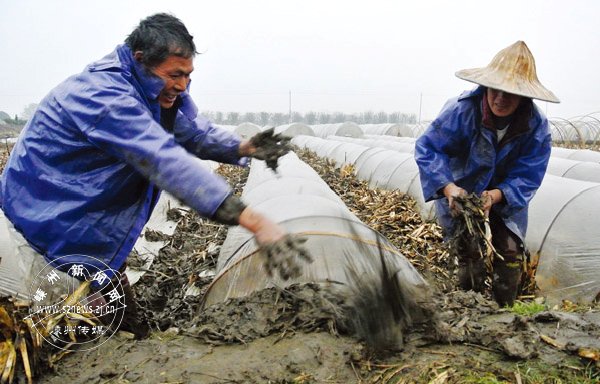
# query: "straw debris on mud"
x,y
391,213
185,266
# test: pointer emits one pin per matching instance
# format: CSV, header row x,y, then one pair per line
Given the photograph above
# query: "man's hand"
x,y
451,191
282,252
285,256
490,197
266,146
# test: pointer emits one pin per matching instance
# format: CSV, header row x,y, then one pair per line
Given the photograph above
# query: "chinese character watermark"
x,y
76,323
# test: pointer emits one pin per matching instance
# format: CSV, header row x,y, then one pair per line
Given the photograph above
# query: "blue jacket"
x,y
459,146
85,173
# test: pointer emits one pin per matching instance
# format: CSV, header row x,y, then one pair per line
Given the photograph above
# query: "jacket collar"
x,y
151,84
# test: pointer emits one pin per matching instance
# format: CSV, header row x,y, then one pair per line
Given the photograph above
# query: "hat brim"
x,y
510,84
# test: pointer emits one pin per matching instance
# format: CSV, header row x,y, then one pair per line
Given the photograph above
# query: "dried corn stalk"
x,y
23,332
471,235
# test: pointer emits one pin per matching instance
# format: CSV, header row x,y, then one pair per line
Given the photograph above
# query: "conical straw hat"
x,y
512,70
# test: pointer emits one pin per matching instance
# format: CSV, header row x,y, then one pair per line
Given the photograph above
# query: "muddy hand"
x,y
285,256
452,191
270,147
489,198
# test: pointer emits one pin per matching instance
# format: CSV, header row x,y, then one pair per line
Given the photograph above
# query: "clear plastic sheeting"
x,y
381,167
324,148
336,239
583,130
247,130
13,273
405,147
563,233
576,154
347,129
398,139
572,169
244,130
377,167
9,140
295,129
414,130
295,191
562,131
404,176
334,243
340,154
346,154
381,129
10,281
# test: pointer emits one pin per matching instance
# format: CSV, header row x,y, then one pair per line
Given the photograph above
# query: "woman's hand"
x,y
490,197
452,191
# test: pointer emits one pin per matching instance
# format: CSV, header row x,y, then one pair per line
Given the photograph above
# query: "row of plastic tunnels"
x,y
564,215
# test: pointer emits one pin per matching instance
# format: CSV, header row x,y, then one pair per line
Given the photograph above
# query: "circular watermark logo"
x,y
75,309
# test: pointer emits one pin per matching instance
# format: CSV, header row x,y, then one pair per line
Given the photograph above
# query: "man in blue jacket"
x,y
495,142
88,168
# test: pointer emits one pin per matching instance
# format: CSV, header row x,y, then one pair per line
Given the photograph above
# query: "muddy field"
x,y
300,334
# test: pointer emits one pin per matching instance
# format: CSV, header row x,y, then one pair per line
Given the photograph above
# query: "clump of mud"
x,y
270,147
380,308
297,308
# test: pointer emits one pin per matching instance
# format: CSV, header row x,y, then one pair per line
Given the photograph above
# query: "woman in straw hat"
x,y
495,142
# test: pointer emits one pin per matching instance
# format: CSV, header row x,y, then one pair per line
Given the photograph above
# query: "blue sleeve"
x,y
432,149
200,137
526,174
117,122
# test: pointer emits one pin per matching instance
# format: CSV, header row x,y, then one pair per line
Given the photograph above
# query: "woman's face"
x,y
502,103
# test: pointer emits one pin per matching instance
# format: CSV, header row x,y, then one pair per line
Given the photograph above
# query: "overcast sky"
x,y
348,56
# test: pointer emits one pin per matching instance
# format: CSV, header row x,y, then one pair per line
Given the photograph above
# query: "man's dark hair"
x,y
160,36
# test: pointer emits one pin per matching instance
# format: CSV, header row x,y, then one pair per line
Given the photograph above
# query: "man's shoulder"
x,y
104,76
110,62
114,65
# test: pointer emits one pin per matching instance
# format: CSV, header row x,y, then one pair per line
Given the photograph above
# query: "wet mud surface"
x,y
301,334
281,337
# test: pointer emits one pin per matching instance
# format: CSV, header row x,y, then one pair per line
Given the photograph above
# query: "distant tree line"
x,y
19,120
269,118
310,118
11,121
10,127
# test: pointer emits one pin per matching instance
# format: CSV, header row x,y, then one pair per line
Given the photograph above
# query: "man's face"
x,y
502,103
175,72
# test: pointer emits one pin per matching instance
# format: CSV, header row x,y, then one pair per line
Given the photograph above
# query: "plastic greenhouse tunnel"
x,y
303,203
341,129
563,215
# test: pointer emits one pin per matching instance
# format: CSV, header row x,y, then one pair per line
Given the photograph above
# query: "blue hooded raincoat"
x,y
460,147
85,173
